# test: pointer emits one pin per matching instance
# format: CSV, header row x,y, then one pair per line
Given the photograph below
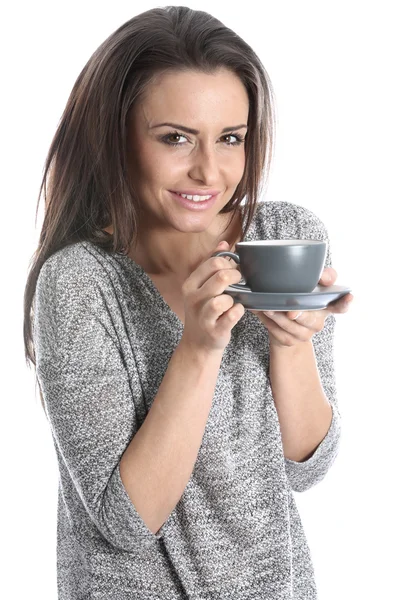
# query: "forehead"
x,y
195,97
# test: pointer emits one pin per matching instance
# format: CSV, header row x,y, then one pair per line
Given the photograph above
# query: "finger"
x,y
216,306
305,322
221,310
342,305
284,337
295,315
207,269
226,246
218,282
328,277
294,318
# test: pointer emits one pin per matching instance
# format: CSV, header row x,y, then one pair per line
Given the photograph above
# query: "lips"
x,y
192,205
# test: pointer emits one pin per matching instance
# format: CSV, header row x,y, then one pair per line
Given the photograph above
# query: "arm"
x,y
303,410
128,477
307,407
158,462
88,395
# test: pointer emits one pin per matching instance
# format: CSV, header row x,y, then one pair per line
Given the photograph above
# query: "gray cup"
x,y
279,266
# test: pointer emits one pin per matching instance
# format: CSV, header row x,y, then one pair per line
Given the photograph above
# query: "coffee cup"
x,y
279,266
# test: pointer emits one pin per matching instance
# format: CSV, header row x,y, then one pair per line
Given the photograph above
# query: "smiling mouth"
x,y
195,197
195,202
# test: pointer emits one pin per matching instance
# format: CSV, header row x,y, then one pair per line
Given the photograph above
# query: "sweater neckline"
x,y
152,288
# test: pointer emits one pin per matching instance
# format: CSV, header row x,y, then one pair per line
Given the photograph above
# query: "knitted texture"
x,y
103,337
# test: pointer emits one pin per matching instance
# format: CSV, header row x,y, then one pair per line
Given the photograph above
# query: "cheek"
x,y
152,164
236,167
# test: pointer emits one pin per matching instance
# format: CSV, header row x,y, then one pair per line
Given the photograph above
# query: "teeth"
x,y
195,198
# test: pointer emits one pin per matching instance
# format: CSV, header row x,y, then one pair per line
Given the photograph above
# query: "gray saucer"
x,y
318,299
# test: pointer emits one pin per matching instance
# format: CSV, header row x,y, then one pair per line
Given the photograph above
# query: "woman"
x,y
179,435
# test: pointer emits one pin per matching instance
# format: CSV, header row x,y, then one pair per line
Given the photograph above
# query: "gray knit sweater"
x,y
103,336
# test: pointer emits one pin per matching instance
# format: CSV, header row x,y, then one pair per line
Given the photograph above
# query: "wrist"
x,y
198,353
276,346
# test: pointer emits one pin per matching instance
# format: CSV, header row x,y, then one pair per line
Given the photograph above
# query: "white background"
x,y
335,70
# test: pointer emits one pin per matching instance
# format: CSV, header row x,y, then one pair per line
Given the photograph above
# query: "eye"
x,y
166,140
238,137
173,134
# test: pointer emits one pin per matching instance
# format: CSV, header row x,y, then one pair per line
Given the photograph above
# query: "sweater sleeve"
x,y
304,475
88,393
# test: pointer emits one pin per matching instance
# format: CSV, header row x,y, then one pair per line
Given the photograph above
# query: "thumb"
x,y
223,245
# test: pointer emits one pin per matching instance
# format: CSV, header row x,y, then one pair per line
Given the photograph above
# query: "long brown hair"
x,y
85,182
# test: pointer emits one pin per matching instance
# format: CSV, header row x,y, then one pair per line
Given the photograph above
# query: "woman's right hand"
x,y
210,315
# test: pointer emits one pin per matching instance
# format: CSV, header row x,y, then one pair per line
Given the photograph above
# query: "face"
x,y
167,158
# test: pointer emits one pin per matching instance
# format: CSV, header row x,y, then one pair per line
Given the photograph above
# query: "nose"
x,y
205,165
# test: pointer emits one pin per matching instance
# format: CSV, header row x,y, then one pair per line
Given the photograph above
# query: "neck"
x,y
177,255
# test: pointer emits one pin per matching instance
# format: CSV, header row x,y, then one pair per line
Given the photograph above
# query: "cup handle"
x,y
236,258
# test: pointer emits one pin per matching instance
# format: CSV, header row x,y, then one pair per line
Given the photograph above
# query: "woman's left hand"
x,y
293,327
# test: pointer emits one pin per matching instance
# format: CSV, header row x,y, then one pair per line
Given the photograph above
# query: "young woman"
x,y
182,422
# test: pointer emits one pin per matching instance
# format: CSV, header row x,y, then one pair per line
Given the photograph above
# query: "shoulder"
x,y
287,219
75,299
81,268
72,278
74,262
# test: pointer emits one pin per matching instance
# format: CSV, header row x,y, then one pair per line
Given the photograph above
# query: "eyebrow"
x,y
195,131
